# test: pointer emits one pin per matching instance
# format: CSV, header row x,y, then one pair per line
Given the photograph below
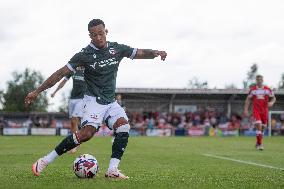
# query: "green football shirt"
x,y
79,84
101,66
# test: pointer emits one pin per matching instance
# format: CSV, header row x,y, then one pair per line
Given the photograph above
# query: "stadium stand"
x,y
165,112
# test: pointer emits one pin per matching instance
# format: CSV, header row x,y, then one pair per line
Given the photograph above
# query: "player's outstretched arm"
x,y
246,107
51,81
150,54
61,84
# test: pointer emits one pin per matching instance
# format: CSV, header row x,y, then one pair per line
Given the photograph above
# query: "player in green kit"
x,y
75,105
100,60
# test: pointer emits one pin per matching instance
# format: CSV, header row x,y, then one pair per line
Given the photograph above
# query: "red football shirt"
x,y
260,98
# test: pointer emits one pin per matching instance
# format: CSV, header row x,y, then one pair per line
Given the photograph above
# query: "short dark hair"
x,y
95,22
258,76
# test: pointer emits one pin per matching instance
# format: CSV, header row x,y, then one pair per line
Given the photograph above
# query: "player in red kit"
x,y
262,97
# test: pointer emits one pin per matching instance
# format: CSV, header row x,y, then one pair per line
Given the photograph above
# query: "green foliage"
x,y
231,86
1,99
195,83
19,87
251,74
151,162
64,104
281,83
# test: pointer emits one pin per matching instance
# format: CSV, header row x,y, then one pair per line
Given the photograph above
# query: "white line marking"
x,y
245,162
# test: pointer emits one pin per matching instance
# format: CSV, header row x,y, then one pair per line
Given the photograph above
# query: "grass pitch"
x,y
173,162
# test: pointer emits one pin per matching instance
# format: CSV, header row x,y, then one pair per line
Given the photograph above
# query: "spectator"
x,y
28,123
3,124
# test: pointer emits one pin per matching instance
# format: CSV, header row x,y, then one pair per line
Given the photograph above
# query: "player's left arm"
x,y
246,106
248,102
150,54
61,84
272,98
271,101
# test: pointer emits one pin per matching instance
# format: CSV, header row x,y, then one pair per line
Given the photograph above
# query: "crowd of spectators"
x,y
35,121
199,119
156,120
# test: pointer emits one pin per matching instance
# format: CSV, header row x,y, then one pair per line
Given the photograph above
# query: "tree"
x,y
1,99
251,74
194,83
231,86
19,87
64,104
281,83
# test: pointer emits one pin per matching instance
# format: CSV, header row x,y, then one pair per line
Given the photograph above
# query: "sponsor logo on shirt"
x,y
261,92
104,63
260,96
94,65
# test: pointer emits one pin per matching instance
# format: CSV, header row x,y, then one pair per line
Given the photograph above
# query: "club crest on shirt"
x,y
95,56
112,51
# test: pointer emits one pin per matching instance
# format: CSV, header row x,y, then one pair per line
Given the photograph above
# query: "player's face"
x,y
259,81
98,35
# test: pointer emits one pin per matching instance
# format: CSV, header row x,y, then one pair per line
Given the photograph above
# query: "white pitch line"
x,y
244,162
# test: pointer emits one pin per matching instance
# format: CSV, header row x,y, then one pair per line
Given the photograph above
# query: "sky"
x,y
215,41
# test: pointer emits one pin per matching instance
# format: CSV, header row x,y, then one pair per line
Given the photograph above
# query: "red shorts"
x,y
260,117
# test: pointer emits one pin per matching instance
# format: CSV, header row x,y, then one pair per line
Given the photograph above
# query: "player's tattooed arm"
x,y
246,107
49,82
150,54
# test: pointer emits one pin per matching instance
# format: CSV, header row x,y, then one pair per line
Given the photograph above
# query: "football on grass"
x,y
85,166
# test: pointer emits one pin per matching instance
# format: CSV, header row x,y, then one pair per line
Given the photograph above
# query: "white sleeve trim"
x,y
70,67
133,53
66,78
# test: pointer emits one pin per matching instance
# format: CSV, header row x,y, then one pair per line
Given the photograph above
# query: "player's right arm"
x,y
66,70
247,104
61,84
49,82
